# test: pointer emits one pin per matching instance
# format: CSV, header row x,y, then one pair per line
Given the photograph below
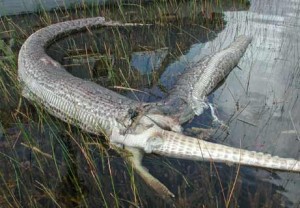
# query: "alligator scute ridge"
x,y
98,110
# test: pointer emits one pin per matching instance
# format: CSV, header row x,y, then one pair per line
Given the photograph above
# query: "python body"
x,y
157,126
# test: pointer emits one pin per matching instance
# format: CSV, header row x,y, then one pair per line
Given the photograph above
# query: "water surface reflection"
x,y
259,102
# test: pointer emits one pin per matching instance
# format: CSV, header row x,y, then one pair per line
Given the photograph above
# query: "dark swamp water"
x,y
44,165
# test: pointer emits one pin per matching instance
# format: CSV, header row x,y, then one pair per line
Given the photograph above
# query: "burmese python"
x,y
155,127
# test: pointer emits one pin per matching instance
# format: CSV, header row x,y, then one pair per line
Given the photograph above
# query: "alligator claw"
x,y
135,161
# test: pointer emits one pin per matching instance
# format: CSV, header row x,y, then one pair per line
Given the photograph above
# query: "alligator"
x,y
138,127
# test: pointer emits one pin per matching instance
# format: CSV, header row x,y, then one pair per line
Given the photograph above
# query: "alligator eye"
x,y
132,113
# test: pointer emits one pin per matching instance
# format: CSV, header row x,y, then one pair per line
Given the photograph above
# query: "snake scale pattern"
x,y
157,127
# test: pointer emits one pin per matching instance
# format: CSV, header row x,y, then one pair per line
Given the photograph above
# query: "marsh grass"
x,y
45,162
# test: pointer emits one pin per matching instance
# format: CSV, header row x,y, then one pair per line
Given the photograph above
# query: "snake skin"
x,y
79,102
99,110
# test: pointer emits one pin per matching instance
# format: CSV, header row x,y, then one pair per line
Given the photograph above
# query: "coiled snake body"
x,y
158,125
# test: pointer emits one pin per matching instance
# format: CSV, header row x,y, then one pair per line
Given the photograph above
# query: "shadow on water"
x,y
45,162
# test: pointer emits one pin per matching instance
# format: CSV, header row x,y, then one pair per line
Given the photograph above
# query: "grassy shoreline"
x,y
46,162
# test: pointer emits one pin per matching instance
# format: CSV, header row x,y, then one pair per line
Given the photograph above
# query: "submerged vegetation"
x,y
45,162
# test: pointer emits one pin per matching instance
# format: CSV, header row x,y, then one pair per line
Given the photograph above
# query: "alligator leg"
x,y
135,161
137,145
176,145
